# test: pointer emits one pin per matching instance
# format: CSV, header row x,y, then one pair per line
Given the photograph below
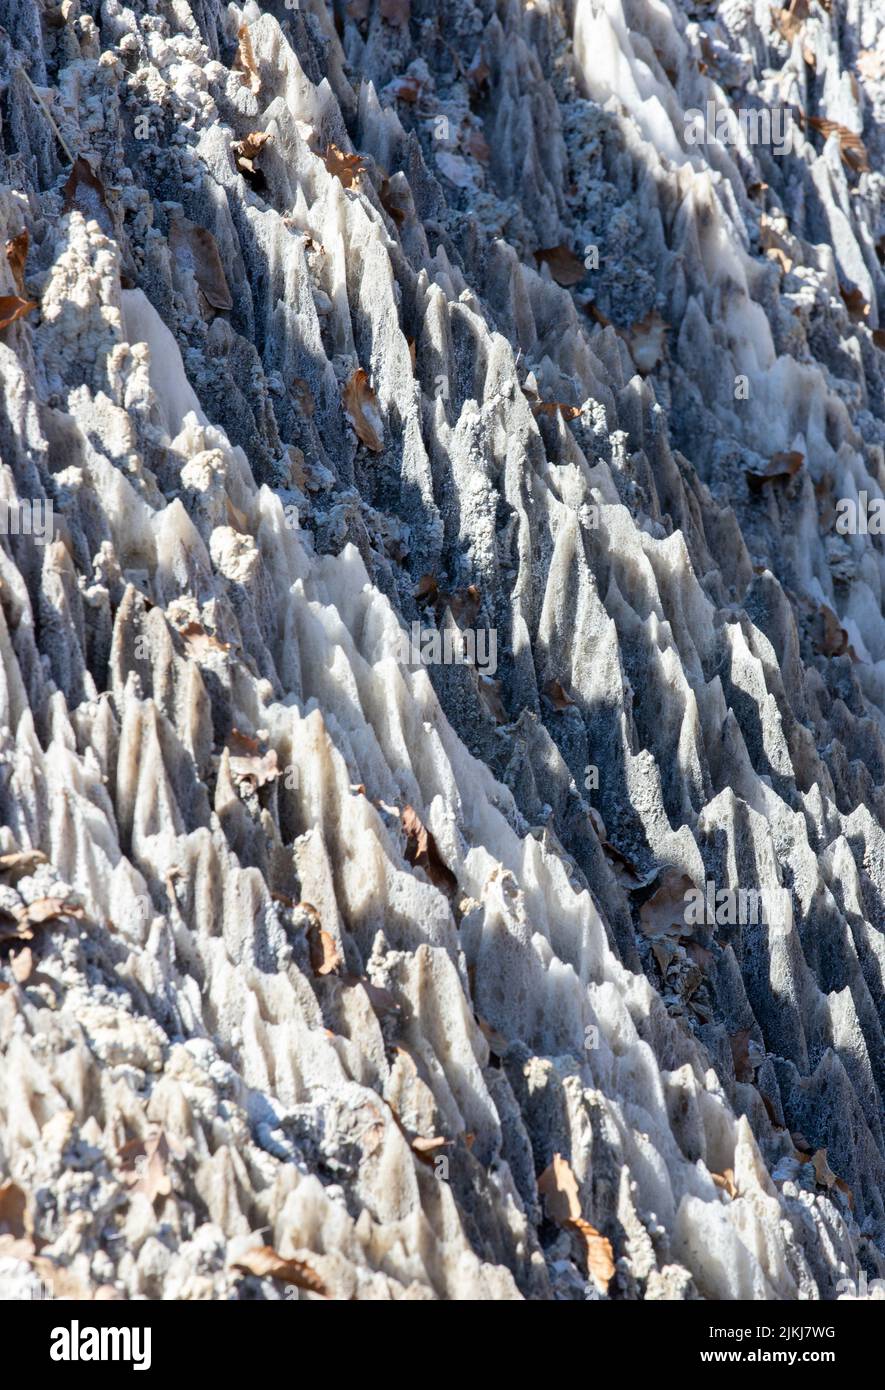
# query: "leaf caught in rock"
x,y
559,1188
422,852
266,1263
725,1182
405,88
84,192
344,167
565,267
780,467
390,205
201,642
568,412
646,340
196,250
395,11
13,1205
855,303
360,405
16,255
663,914
325,956
740,1053
260,770
825,1177
304,396
246,152
557,696
490,694
830,637
853,149
21,862
13,307
144,1165
245,60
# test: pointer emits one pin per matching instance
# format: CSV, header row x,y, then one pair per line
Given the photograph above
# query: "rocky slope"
x,y
305,943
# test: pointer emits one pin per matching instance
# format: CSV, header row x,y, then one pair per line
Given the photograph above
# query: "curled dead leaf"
x,y
395,11
13,1206
245,60
196,250
646,340
559,1188
13,307
360,405
21,862
565,267
144,1164
345,167
266,1263
423,853
325,956
663,914
557,696
568,412
780,467
857,306
246,153
16,255
200,642
852,148
725,1182
85,193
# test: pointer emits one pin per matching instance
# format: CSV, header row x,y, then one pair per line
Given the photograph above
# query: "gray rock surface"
x,y
256,995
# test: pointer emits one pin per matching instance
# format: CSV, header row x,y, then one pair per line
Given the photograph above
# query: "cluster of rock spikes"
x,y
424,432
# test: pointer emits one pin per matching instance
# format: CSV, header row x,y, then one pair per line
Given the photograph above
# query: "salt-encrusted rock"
x,y
283,414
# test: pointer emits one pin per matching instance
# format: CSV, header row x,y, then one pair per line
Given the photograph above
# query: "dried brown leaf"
x,y
853,149
663,914
568,412
857,306
598,1253
325,956
304,396
740,1053
84,192
196,250
21,862
13,307
13,1205
246,151
427,589
390,205
345,167
825,1177
557,696
245,60
23,965
646,340
423,853
565,267
361,407
201,642
405,88
780,467
725,1181
559,1188
395,11
266,1263
144,1165
16,255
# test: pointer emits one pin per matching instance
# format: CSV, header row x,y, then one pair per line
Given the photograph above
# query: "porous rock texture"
x,y
232,565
